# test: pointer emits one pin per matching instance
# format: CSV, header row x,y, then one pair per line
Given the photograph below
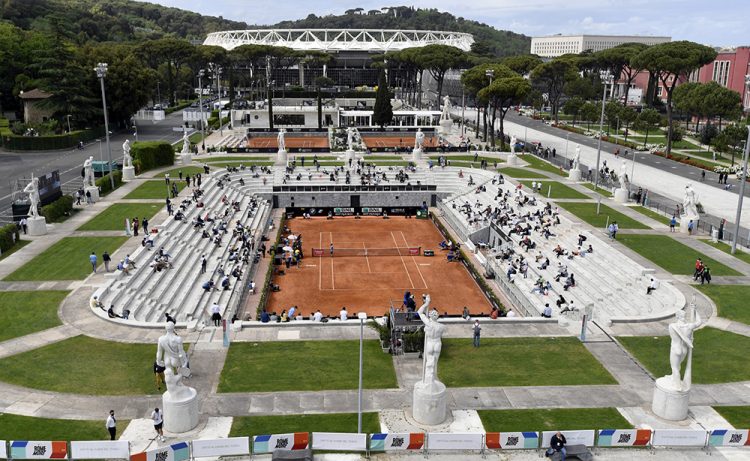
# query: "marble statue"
x,y
623,176
681,333
350,138
689,203
32,189
185,142
513,142
576,158
88,172
446,114
418,140
170,354
433,344
280,140
127,160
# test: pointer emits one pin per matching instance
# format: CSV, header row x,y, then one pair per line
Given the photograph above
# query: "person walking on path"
x,y
135,226
92,259
24,225
112,425
106,258
158,418
672,223
204,262
477,331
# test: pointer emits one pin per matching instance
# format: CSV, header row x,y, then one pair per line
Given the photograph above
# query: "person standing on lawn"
x,y
112,425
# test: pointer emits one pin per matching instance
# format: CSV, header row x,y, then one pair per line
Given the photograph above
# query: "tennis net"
x,y
341,252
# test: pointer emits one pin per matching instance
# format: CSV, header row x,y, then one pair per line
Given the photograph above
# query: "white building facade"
x,y
557,45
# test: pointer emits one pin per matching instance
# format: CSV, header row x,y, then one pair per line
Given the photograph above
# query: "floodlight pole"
x,y
605,80
743,179
200,103
101,72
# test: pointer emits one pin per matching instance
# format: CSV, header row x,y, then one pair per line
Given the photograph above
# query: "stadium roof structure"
x,y
335,40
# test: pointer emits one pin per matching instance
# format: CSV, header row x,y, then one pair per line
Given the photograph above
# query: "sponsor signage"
x,y
445,441
679,438
286,442
232,446
34,449
105,449
176,452
624,437
511,440
573,437
729,438
396,442
339,441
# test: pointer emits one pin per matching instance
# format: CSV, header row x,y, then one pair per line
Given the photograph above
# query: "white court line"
x,y
402,261
367,258
333,285
415,261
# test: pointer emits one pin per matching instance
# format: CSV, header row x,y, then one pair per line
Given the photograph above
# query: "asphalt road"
x,y
14,165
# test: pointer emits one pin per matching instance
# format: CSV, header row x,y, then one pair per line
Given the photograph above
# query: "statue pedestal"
x,y
186,158
128,173
512,159
350,155
430,403
574,175
670,403
181,414
94,193
621,195
685,220
37,225
282,157
416,155
446,126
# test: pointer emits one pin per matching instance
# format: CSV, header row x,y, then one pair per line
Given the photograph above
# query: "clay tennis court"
x,y
397,141
370,283
301,142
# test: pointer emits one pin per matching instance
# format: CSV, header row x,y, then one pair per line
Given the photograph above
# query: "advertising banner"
x,y
105,449
339,441
26,449
269,443
3,450
396,441
729,438
573,437
343,211
176,452
445,441
372,211
624,437
679,438
511,440
232,446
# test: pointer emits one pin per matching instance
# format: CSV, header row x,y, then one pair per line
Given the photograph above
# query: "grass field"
x,y
24,312
83,365
539,164
599,190
514,172
525,362
328,365
19,244
155,189
730,300
719,356
738,417
671,255
726,248
186,170
114,216
652,214
587,213
68,259
559,190
332,422
570,419
14,427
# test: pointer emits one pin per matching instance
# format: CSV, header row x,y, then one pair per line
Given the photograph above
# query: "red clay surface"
x,y
369,284
291,142
397,141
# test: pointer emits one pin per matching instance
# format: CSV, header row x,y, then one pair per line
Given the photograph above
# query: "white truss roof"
x,y
369,40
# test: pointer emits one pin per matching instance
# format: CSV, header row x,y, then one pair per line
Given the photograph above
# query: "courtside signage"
x,y
105,449
396,441
339,441
270,442
33,449
511,440
232,446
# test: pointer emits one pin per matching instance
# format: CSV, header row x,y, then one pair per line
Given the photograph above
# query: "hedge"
x,y
264,293
104,184
148,155
12,141
58,210
8,237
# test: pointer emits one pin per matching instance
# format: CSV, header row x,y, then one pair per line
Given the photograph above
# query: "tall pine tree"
x,y
383,111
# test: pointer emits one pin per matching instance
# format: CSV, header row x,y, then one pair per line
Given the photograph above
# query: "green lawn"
x,y
154,190
539,164
113,217
719,356
738,417
14,427
726,248
671,255
239,164
599,190
83,365
222,158
652,214
332,422
551,419
525,362
514,172
731,300
587,213
327,365
186,170
24,312
68,259
19,244
559,190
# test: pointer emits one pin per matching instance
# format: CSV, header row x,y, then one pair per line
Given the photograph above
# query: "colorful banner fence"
x,y
511,440
396,441
33,449
270,442
175,452
624,438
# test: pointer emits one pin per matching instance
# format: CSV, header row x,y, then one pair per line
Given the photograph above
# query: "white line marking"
x,y
367,258
402,262
414,261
